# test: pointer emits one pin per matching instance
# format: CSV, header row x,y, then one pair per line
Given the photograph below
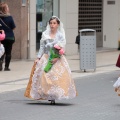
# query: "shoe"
x,y
52,102
6,69
1,65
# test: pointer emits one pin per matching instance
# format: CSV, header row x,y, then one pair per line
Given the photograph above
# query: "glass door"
x,y
44,10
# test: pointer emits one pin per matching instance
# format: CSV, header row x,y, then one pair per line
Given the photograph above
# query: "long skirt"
x,y
57,84
117,86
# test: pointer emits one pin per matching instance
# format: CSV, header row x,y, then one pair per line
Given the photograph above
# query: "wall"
x,y
32,29
14,10
20,17
110,24
69,17
118,20
24,32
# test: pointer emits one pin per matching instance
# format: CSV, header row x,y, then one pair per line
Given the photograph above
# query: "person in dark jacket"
x,y
7,24
77,41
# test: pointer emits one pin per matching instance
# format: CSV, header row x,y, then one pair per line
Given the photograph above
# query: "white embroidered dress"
x,y
57,84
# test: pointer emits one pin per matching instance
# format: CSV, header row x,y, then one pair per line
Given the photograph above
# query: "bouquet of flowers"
x,y
55,52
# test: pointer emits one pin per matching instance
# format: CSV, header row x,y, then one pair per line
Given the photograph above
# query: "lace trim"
x,y
55,91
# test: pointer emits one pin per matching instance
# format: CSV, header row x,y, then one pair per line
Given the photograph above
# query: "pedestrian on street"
x,y
77,41
8,25
50,77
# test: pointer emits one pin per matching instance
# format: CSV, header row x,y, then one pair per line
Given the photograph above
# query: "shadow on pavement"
x,y
48,103
35,102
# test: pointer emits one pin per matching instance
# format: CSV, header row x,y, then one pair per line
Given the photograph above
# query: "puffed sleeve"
x,y
2,50
42,47
61,40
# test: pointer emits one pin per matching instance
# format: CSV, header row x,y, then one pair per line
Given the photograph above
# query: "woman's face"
x,y
53,25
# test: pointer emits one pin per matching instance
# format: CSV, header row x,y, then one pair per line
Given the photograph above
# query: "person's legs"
x,y
8,50
1,65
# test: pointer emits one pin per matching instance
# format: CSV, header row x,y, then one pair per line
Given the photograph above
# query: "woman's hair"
x,y
52,18
4,8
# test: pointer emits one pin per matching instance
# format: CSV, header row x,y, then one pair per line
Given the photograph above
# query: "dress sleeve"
x,y
42,47
62,40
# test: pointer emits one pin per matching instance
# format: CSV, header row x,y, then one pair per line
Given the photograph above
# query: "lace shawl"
x,y
59,39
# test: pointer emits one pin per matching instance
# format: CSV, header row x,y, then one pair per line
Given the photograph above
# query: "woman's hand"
x,y
37,60
54,60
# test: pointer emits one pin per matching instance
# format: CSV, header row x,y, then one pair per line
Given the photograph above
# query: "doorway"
x,y
44,10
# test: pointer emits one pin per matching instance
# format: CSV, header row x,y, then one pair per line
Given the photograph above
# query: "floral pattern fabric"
x,y
57,84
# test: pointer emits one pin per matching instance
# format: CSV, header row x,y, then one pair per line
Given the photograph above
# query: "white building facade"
x,y
108,24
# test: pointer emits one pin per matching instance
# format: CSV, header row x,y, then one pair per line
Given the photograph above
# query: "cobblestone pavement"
x,y
96,100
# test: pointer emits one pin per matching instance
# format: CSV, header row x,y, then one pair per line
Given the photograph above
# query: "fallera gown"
x,y
57,84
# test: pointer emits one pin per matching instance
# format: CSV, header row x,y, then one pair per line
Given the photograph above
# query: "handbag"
x,y
118,61
2,35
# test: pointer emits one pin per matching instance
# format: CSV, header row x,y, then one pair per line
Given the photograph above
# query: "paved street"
x,y
96,101
96,97
18,77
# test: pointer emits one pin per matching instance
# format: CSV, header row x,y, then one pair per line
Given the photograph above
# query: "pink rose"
x,y
57,47
61,51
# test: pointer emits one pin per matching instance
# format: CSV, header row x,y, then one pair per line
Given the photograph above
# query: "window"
x,y
1,0
23,2
110,2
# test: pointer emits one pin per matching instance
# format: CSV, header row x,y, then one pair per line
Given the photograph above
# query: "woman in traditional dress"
x,y
116,86
57,83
